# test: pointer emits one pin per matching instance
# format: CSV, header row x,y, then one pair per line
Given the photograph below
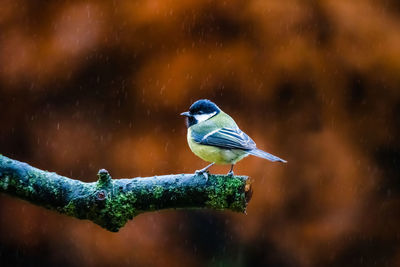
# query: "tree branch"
x,y
110,203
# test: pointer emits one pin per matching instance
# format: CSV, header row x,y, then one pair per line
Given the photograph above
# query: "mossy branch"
x,y
110,203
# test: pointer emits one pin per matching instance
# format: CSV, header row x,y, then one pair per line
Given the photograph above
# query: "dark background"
x,y
86,85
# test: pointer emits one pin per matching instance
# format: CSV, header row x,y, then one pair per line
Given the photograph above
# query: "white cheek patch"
x,y
204,117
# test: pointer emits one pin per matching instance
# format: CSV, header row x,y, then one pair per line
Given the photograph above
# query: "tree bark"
x,y
110,203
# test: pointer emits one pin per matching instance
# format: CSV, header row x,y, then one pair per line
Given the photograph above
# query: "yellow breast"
x,y
215,154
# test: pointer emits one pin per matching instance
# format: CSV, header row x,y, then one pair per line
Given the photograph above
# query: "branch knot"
x,y
104,178
101,195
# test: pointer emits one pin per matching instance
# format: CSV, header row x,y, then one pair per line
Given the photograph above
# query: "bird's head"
x,y
201,110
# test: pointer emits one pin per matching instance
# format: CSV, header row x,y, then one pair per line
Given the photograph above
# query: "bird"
x,y
215,137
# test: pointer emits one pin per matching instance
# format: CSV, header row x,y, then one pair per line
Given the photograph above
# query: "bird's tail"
x,y
262,154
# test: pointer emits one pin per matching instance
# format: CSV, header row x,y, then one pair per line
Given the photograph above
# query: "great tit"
x,y
215,137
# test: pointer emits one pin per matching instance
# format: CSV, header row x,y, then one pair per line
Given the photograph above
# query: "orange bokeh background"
x,y
86,85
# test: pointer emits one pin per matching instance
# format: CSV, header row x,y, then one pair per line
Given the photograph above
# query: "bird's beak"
x,y
187,114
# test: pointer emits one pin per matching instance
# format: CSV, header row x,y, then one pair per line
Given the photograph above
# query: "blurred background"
x,y
86,85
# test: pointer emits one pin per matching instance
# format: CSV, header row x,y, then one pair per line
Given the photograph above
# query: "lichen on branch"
x,y
110,203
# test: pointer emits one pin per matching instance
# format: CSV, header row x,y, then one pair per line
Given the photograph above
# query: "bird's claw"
x,y
202,172
230,174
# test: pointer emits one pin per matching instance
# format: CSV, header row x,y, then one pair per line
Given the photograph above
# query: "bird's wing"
x,y
230,138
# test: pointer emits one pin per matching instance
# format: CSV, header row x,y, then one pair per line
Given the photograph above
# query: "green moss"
x,y
143,192
70,209
30,190
226,193
158,191
4,182
117,211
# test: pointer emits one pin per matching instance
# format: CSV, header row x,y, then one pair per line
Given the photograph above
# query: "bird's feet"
x,y
230,173
204,171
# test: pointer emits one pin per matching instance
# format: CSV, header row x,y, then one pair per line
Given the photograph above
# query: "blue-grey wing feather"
x,y
230,138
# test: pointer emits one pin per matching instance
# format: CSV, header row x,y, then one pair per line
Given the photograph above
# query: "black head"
x,y
201,110
203,106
